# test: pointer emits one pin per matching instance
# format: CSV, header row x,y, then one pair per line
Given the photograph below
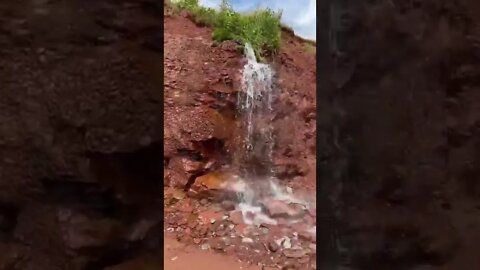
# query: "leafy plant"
x,y
261,28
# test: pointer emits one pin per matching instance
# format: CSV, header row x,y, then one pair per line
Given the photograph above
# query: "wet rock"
x,y
250,215
277,208
241,229
236,217
228,205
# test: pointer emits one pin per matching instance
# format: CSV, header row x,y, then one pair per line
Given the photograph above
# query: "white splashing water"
x,y
257,85
256,102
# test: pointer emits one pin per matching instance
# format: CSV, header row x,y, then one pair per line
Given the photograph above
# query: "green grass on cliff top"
x,y
261,28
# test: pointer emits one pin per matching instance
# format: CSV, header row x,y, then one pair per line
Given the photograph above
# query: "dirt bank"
x,y
405,136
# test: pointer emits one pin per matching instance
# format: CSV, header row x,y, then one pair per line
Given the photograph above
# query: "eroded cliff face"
x,y
203,147
202,83
406,133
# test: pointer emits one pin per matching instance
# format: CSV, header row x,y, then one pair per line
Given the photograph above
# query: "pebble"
x,y
273,246
205,247
247,240
178,194
286,242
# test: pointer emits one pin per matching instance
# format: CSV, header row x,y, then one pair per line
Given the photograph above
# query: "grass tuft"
x,y
261,28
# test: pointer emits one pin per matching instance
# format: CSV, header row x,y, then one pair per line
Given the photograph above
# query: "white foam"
x,y
259,216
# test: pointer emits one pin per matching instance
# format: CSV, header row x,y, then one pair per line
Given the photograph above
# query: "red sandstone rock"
x,y
236,217
250,215
277,208
228,205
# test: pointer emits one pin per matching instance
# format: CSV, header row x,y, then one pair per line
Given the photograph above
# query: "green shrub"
x,y
260,28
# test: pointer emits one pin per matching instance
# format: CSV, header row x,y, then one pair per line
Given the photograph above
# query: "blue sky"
x,y
298,14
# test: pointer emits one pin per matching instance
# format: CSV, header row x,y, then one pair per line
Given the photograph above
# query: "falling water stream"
x,y
256,103
255,160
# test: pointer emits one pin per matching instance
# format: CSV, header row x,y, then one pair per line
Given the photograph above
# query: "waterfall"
x,y
254,159
255,102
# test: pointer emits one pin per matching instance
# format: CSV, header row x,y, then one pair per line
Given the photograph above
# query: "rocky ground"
x,y
222,228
